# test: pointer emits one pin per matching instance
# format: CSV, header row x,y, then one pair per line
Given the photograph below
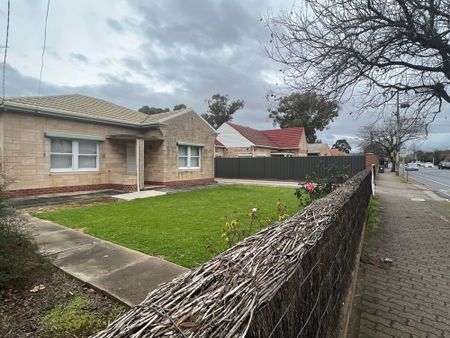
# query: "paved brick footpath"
x,y
411,296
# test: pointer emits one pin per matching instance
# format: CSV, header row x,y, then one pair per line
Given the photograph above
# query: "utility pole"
x,y
397,139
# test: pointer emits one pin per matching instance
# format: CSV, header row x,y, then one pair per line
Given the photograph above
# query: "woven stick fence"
x,y
286,281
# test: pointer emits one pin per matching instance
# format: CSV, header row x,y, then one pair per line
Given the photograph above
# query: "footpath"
x,y
409,297
125,274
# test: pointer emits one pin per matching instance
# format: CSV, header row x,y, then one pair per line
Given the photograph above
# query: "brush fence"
x,y
288,280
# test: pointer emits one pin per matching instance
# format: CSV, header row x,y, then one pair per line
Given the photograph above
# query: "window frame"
x,y
189,156
75,157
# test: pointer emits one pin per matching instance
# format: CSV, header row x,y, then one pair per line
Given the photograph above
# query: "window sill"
x,y
189,169
94,171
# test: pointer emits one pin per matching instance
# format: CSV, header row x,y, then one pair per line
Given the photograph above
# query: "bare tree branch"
x,y
370,48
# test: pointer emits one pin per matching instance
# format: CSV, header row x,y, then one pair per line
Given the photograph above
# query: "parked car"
x,y
412,167
429,165
445,164
381,168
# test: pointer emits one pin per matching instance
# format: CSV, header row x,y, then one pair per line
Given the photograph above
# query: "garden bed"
x,y
55,305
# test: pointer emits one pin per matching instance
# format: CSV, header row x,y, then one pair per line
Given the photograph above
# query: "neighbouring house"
x,y
318,149
234,140
337,152
74,143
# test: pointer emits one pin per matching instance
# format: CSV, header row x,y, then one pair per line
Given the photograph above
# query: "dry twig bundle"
x,y
286,280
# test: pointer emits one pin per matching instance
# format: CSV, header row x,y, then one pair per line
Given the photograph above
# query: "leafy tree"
x,y
153,110
308,110
220,110
342,145
179,106
373,48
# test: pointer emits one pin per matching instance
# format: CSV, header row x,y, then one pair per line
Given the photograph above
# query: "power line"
x,y
6,52
43,48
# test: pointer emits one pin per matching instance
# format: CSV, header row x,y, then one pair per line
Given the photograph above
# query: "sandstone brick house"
x,y
73,143
234,140
319,149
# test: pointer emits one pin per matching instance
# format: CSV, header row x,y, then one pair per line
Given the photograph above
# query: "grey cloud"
x,y
205,47
133,63
199,25
115,25
79,57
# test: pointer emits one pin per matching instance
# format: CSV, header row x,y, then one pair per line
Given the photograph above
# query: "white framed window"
x,y
73,155
189,157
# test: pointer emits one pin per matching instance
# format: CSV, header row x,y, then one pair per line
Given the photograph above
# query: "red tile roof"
x,y
287,138
254,136
218,143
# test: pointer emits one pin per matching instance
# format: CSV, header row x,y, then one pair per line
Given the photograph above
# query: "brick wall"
x,y
162,164
26,152
259,152
53,190
371,159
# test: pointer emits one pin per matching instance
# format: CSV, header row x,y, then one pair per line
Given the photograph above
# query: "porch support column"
x,y
139,163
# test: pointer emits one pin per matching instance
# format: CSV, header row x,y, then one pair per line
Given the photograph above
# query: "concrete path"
x,y
273,183
411,296
139,194
125,274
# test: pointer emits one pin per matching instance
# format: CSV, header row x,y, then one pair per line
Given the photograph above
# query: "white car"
x,y
411,167
428,165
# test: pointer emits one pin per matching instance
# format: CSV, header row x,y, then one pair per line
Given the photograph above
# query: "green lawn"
x,y
178,227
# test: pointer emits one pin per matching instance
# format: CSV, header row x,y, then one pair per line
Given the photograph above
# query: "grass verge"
x,y
373,215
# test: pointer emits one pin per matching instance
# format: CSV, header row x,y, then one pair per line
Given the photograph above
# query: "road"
x,y
435,179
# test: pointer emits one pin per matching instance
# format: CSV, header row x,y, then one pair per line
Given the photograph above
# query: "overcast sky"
x,y
158,53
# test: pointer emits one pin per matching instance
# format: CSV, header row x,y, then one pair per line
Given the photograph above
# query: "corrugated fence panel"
x,y
287,168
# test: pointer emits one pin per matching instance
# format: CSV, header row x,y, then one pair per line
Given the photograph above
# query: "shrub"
x,y
235,231
318,187
19,259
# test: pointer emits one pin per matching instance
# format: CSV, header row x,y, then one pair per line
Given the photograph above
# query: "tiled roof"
x,y
88,107
254,136
218,143
287,138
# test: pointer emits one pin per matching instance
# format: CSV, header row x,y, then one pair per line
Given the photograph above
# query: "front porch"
x,y
142,153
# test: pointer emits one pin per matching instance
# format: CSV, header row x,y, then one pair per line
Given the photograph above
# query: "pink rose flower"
x,y
309,186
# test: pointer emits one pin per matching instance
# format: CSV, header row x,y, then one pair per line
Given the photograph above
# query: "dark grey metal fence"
x,y
287,168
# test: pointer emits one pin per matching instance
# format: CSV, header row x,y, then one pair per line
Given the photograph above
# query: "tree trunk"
x,y
393,164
